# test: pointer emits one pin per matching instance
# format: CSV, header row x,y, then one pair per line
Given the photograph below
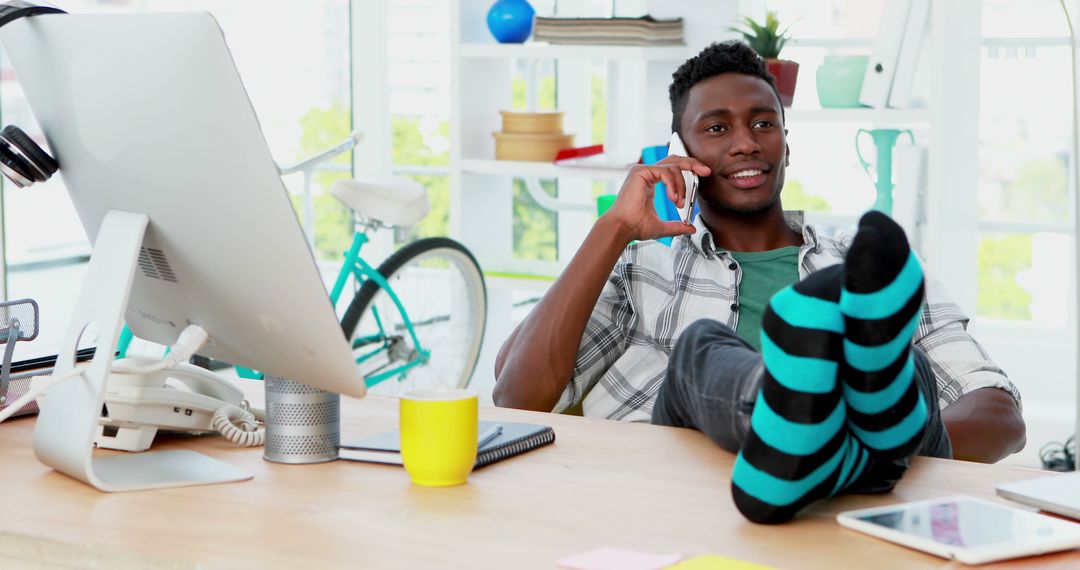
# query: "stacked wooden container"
x,y
531,136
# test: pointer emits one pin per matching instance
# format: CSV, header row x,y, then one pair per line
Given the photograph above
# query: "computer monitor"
x,y
163,157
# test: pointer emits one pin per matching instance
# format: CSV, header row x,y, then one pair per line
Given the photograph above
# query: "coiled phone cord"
x,y
242,426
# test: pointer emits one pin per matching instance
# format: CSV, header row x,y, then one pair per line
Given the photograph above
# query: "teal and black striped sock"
x,y
882,303
799,448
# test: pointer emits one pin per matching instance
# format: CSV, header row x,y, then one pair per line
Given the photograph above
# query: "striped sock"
x,y
799,448
881,303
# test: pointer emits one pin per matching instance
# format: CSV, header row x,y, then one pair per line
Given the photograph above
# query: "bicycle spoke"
x,y
441,291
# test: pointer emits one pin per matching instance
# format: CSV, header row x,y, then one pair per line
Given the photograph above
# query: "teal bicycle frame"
x,y
355,267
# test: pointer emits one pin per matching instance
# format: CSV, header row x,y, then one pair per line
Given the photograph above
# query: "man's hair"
x,y
721,57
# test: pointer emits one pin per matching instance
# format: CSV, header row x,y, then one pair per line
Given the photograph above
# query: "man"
x,y
604,335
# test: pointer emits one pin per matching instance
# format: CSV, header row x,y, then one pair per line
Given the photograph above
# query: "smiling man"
x,y
691,335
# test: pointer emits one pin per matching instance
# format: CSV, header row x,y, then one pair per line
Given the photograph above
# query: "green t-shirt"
x,y
763,274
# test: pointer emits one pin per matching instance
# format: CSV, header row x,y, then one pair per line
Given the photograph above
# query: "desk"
x,y
649,488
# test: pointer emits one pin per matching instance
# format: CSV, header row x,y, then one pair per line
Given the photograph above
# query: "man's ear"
x,y
787,155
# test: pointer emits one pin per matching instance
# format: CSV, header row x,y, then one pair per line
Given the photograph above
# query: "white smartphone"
x,y
973,531
677,148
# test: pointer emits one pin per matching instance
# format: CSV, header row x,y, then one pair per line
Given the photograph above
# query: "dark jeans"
x,y
713,379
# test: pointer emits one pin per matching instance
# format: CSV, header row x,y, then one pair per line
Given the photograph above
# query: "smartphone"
x,y
677,148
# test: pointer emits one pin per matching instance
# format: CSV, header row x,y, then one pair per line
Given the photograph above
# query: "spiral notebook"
x,y
515,439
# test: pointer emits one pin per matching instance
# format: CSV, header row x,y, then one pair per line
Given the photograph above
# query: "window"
x,y
1025,128
419,72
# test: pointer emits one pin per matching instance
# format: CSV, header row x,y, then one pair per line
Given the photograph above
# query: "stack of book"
x,y
645,30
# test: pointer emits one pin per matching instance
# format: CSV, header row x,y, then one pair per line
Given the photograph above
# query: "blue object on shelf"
x,y
511,21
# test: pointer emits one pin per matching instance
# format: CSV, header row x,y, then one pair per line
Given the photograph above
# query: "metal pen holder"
x,y
303,424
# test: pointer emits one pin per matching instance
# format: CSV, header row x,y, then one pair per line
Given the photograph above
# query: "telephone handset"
x,y
183,398
677,148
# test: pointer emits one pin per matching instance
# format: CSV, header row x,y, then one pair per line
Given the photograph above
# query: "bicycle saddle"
x,y
392,201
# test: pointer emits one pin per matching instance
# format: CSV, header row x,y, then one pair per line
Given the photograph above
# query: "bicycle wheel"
x,y
440,285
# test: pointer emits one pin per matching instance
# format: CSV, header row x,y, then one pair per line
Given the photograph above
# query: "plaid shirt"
x,y
655,292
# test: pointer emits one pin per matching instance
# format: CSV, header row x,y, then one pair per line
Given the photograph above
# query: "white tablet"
x,y
970,530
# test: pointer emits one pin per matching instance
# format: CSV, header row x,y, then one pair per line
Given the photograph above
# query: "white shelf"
x,y
567,51
859,115
540,169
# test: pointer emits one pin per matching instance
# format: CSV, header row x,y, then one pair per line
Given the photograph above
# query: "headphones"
x,y
22,161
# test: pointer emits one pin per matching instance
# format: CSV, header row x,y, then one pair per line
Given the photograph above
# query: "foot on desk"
x,y
882,303
799,448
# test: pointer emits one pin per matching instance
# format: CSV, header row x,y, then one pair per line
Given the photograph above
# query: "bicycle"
x,y
419,318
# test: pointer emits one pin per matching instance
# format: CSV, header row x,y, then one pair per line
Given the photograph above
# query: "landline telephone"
x,y
182,397
677,148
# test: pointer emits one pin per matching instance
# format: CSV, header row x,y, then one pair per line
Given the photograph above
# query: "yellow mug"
x,y
439,435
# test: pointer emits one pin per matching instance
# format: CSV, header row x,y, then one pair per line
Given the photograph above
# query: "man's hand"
x,y
633,210
535,364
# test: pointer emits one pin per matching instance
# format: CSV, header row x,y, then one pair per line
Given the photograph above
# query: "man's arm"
x,y
536,362
985,426
982,406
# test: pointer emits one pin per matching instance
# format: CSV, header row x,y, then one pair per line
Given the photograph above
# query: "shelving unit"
x,y
638,114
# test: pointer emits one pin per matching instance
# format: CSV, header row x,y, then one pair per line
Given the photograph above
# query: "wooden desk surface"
x,y
602,484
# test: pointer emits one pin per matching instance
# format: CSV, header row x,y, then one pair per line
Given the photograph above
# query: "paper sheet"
x,y
618,559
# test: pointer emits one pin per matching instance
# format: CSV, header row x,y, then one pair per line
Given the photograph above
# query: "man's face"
x,y
732,123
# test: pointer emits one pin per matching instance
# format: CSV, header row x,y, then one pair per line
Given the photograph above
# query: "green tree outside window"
x,y
1001,259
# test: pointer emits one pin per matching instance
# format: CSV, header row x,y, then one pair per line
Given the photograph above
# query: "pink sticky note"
x,y
617,559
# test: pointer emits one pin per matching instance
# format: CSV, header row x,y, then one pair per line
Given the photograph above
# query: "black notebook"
x,y
515,439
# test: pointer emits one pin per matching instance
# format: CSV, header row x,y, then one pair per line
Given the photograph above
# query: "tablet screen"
x,y
962,522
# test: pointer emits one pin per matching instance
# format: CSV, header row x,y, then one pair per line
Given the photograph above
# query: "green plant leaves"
x,y
766,40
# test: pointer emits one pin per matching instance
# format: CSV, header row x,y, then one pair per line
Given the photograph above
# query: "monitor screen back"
x,y
146,113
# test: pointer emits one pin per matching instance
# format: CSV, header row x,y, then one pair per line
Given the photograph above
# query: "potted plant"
x,y
767,40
